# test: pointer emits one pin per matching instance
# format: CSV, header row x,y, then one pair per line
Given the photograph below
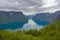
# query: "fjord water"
x,y
41,22
21,25
32,25
11,26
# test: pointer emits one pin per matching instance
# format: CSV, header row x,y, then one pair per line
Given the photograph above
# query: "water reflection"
x,y
21,25
32,25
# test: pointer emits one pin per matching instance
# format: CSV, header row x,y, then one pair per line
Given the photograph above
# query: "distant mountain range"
x,y
30,16
57,15
12,16
12,20
46,17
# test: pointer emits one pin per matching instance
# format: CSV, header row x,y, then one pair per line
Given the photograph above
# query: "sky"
x,y
29,7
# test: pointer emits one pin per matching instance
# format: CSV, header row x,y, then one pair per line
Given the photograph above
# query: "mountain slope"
x,y
50,32
11,20
12,16
42,18
46,18
57,15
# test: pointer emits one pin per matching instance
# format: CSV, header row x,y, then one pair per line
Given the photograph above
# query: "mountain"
x,y
50,32
42,18
11,20
57,15
46,18
12,16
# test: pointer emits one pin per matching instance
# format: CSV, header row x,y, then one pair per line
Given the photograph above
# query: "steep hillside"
x,y
41,18
12,16
57,15
50,32
46,18
11,20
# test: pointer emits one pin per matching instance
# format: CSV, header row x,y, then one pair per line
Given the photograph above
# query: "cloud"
x,y
29,6
48,3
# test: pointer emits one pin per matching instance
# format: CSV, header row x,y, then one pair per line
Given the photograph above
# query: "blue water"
x,y
41,22
17,25
12,25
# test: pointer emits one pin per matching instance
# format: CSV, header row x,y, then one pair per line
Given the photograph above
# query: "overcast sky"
x,y
30,6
